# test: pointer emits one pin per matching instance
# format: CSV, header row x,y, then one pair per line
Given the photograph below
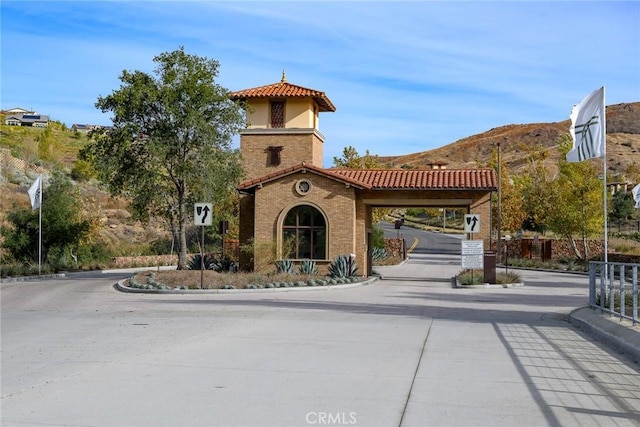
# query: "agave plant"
x,y
378,254
343,266
285,266
195,262
223,265
308,266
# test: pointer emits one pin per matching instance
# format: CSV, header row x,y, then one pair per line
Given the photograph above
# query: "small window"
x,y
277,114
303,187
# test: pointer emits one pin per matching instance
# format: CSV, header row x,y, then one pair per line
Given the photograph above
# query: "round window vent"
x,y
303,187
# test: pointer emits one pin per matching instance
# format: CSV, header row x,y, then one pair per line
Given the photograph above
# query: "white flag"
x,y
588,128
35,193
636,195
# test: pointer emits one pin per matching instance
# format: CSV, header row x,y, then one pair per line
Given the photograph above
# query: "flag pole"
x,y
40,227
604,136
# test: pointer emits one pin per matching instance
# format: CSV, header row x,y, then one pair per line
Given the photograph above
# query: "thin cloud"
x,y
405,76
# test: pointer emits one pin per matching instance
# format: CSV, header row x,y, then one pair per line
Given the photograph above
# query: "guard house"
x,y
289,197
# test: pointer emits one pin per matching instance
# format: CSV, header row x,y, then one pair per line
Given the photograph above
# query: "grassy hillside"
x,y
22,158
623,144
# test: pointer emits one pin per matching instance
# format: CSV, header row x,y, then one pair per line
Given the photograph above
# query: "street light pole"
x,y
444,220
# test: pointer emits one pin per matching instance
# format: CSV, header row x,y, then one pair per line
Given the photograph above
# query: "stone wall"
x,y
560,248
394,247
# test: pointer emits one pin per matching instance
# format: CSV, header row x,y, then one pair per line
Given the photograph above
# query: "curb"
x,y
490,286
613,332
32,278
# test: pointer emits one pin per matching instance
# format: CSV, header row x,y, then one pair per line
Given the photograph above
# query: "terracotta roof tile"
x,y
394,179
286,90
438,179
330,173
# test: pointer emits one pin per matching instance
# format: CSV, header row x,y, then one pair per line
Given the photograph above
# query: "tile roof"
x,y
329,173
419,179
394,179
286,90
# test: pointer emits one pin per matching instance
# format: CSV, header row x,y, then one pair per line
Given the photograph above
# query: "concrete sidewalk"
x,y
617,333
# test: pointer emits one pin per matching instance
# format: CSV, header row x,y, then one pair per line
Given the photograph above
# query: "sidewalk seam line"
x,y
415,373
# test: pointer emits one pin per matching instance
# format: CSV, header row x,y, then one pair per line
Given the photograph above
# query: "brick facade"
x,y
336,202
348,214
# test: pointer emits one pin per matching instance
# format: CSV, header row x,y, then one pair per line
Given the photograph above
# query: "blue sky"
x,y
405,76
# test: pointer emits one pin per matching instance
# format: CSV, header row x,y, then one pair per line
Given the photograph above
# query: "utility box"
x,y
489,266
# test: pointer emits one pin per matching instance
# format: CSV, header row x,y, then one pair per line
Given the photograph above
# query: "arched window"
x,y
305,227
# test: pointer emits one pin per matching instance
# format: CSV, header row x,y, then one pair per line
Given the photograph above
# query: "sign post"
x,y
202,216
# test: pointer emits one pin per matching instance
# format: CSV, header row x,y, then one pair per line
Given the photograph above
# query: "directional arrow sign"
x,y
202,213
472,223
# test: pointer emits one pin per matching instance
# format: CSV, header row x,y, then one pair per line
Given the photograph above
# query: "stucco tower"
x,y
283,123
282,131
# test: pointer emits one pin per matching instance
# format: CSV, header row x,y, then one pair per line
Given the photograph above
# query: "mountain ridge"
x,y
623,144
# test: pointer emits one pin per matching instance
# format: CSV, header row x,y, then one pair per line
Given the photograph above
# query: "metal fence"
x,y
613,288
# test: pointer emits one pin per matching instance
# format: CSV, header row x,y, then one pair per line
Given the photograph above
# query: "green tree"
x,y
534,186
623,206
352,160
48,145
170,143
63,224
575,208
511,206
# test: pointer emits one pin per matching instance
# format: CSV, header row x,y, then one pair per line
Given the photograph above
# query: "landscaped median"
x,y
475,279
194,281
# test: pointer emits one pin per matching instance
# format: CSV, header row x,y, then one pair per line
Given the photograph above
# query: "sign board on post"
x,y
203,214
472,223
473,254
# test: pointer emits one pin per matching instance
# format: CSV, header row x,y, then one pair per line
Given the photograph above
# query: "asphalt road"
x,y
407,350
426,242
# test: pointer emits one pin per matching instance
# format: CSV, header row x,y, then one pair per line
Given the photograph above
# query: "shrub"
x,y
471,277
161,246
82,170
510,277
477,278
377,237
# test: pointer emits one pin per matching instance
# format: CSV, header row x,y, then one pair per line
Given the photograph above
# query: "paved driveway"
x,y
405,351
